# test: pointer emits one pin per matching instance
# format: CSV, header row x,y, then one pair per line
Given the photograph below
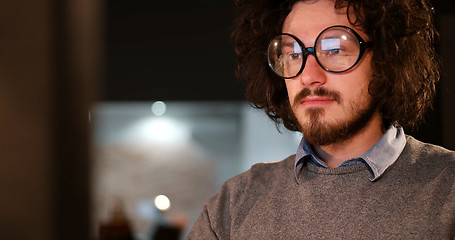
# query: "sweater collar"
x,y
378,158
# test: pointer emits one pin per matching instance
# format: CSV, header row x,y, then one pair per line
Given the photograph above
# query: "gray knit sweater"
x,y
414,199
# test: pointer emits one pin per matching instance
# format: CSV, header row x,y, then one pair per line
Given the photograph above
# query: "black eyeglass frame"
x,y
363,45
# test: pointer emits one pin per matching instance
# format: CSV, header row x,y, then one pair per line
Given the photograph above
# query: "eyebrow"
x,y
289,43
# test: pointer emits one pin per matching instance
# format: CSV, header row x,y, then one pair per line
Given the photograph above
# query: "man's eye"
x,y
295,56
332,52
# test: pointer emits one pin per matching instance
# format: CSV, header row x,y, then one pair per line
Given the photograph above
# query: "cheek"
x,y
355,86
357,96
292,89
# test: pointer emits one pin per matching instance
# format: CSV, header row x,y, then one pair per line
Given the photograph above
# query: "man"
x,y
348,75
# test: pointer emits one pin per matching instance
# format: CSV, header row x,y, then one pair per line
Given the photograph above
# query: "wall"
x,y
185,154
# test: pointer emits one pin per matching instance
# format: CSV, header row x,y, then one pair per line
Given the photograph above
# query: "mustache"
x,y
320,91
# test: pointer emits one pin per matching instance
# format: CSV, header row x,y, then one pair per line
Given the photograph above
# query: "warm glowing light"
x,y
159,108
162,130
162,202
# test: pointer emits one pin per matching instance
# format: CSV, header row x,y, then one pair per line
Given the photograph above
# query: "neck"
x,y
334,154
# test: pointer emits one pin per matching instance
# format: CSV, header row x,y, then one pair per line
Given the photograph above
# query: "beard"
x,y
322,133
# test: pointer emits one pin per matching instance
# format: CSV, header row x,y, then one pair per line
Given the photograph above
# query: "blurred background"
x,y
121,118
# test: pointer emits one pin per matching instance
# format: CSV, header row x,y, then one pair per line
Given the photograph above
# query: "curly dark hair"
x,y
404,59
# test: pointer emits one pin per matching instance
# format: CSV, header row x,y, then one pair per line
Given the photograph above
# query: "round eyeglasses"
x,y
336,49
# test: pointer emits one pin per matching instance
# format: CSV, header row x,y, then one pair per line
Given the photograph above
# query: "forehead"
x,y
307,19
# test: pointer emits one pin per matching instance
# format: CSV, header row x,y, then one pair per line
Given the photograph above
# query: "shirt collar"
x,y
379,157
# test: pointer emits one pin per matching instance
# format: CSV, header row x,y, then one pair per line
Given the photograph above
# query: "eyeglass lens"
x,y
336,49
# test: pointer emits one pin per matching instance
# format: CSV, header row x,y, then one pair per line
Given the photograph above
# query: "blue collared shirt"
x,y
378,158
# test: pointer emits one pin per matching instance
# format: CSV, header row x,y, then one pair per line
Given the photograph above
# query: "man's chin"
x,y
318,130
319,134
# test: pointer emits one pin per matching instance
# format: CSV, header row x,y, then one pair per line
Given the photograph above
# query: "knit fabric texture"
x,y
414,199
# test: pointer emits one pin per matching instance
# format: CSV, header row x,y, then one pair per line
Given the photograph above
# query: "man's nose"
x,y
313,75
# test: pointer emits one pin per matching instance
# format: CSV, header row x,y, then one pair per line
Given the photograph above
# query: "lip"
x,y
317,101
